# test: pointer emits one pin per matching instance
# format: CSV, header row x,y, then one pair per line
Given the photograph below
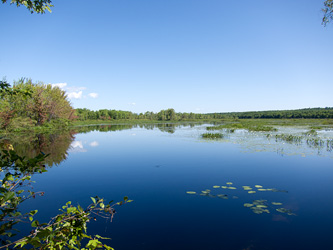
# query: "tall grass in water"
x,y
212,136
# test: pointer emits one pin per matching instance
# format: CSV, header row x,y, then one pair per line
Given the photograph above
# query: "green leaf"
x,y
35,223
93,199
8,196
10,178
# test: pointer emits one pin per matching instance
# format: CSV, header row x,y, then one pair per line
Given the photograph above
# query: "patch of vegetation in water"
x,y
311,132
329,144
262,128
316,127
231,127
258,206
212,136
220,127
289,138
315,142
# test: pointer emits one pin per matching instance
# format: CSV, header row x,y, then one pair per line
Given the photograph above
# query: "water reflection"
x,y
30,145
76,147
163,127
284,142
58,145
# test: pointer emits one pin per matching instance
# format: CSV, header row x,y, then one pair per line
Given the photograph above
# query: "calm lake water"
x,y
157,166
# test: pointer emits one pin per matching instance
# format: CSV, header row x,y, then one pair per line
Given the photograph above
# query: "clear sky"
x,y
197,56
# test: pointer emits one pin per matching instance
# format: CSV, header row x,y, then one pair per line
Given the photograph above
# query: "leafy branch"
x,y
67,230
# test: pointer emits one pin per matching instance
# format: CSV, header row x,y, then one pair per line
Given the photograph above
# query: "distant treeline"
x,y
163,115
309,113
171,115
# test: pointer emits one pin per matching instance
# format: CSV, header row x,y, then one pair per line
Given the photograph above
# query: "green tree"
x,y
34,6
43,104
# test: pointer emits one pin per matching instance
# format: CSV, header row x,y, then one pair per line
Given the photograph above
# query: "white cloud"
x,y
94,144
132,103
59,85
75,95
93,95
74,92
75,89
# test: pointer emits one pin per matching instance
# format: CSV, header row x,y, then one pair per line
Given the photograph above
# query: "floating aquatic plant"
x,y
212,136
285,211
191,192
259,206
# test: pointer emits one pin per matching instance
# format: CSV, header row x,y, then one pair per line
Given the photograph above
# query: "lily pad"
x,y
232,188
252,192
247,188
285,211
248,205
229,183
259,202
216,186
262,189
277,203
191,192
225,187
258,186
261,206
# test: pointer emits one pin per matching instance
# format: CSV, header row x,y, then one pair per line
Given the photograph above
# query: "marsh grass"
x,y
262,128
212,136
311,132
315,142
252,127
294,139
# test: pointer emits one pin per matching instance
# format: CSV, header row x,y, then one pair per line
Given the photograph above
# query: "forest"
x,y
172,115
27,105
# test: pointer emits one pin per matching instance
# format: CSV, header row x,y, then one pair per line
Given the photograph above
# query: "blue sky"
x,y
197,56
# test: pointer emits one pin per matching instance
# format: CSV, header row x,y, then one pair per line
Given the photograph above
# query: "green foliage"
x,y
68,229
328,12
34,6
16,178
27,105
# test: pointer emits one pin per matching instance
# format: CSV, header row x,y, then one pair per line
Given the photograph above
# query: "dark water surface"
x,y
155,167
